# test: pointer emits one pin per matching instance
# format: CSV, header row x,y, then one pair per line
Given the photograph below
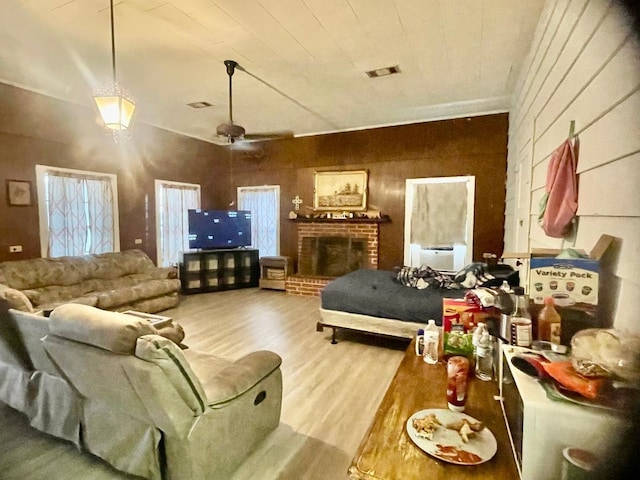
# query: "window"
x,y
173,199
264,204
78,211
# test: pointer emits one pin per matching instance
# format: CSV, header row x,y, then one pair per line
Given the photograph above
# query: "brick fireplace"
x,y
322,243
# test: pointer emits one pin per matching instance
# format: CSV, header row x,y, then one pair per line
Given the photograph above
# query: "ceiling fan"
x,y
234,132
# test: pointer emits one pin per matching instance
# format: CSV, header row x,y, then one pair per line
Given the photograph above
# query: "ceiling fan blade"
x,y
268,136
236,133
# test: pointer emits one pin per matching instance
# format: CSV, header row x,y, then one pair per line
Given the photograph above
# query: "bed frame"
x,y
389,327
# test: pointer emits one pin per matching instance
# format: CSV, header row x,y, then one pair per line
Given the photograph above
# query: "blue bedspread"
x,y
378,294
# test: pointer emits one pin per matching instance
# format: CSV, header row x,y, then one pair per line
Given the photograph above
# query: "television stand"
x,y
215,270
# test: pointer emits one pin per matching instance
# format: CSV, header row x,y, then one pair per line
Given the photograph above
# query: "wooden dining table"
x,y
388,453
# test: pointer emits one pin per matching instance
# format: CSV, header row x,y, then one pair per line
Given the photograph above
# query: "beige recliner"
x,y
152,409
29,382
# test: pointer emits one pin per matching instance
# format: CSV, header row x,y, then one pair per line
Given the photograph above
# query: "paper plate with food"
x,y
452,436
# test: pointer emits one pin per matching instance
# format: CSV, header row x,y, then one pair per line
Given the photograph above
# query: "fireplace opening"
x,y
331,256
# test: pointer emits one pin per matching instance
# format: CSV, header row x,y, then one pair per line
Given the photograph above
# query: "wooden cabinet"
x,y
214,270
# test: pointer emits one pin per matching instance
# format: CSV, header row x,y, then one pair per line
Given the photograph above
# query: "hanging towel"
x,y
559,204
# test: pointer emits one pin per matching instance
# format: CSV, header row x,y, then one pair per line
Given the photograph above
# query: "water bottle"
x,y
484,357
431,342
477,335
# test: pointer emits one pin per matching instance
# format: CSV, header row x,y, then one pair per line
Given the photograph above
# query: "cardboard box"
x,y
568,281
459,319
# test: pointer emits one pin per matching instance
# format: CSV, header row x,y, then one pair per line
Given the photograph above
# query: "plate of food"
x,y
452,436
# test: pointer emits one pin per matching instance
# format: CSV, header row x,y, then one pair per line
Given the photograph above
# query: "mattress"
x,y
376,293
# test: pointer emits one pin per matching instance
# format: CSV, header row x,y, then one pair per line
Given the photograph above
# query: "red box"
x,y
459,320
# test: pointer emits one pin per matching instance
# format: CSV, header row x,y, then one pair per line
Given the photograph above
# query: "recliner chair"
x,y
150,408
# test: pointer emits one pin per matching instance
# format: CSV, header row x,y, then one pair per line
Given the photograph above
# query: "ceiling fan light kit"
x,y
115,105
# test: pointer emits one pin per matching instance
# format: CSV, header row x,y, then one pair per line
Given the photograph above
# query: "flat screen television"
x,y
211,229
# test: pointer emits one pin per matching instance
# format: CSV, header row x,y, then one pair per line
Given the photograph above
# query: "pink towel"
x,y
562,190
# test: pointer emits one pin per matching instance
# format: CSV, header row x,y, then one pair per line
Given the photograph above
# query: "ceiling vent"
x,y
383,72
199,104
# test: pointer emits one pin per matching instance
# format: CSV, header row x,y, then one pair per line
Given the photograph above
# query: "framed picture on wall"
x,y
19,193
340,190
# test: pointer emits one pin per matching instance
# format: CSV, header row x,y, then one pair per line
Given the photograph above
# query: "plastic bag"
x,y
567,377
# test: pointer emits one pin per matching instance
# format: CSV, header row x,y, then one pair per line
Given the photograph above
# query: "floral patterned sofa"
x,y
110,281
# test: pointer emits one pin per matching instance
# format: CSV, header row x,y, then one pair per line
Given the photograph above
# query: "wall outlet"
x,y
138,241
15,248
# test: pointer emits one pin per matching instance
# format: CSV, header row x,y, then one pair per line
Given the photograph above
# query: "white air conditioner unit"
x,y
439,258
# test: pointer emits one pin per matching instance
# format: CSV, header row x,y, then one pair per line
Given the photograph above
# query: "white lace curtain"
x,y
264,204
80,214
176,200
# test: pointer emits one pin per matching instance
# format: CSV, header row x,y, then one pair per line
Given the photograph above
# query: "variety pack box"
x,y
568,281
459,319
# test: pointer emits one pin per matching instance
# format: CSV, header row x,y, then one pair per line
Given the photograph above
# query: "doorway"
x,y
438,223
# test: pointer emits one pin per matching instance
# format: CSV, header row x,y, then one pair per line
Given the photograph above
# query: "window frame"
x,y
277,190
157,184
43,218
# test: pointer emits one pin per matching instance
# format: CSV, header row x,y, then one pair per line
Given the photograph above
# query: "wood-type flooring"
x,y
331,392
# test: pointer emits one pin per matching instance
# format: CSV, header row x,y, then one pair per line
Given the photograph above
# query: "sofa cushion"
x,y
16,299
116,332
168,356
128,295
56,293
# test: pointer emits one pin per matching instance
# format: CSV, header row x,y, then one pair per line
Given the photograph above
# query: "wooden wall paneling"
x,y
475,146
615,135
617,187
534,76
606,43
593,99
557,59
528,69
624,228
35,129
574,45
626,317
584,66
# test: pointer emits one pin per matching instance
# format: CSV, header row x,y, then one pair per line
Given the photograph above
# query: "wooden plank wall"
x,y
583,66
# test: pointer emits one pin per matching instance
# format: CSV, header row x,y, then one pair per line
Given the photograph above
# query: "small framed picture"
x,y
343,190
19,193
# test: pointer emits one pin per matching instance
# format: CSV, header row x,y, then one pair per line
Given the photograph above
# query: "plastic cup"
x,y
457,376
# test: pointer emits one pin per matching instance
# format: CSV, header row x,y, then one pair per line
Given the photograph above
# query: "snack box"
x,y
459,319
568,281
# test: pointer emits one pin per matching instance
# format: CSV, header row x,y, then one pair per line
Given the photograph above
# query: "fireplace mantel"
x,y
383,219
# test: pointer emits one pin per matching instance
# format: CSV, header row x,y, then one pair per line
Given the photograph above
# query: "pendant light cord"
x,y
113,44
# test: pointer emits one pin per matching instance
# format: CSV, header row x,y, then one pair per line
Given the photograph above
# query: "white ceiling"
x,y
457,58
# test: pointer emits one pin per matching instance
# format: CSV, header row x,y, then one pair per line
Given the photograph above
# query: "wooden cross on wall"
x,y
297,201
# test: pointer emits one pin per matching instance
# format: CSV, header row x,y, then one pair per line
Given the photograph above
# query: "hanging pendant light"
x,y
114,103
